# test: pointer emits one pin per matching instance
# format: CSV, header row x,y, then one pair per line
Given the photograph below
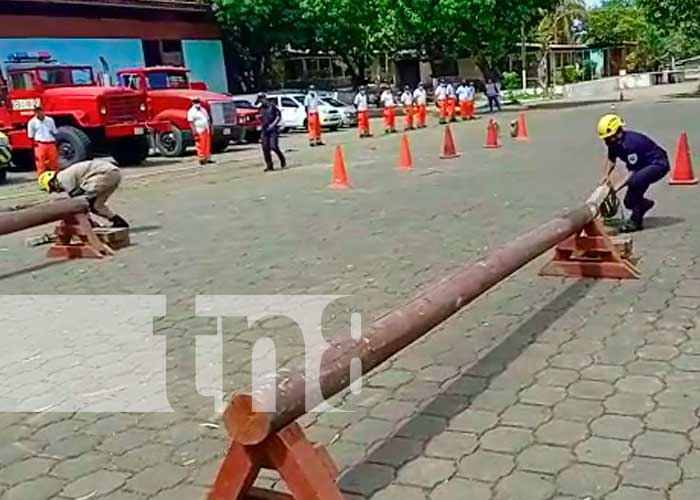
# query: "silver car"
x,y
348,113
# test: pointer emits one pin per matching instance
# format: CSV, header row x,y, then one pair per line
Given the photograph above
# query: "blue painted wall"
x,y
206,60
204,57
118,52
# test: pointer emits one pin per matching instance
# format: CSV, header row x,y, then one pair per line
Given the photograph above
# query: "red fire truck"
x,y
170,95
90,119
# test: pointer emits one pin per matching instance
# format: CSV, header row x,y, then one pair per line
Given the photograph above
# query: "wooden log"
x,y
288,393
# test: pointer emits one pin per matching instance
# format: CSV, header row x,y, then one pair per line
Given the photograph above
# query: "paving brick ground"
x,y
543,389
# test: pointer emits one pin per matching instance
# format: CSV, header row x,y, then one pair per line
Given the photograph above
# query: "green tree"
x,y
484,29
353,30
615,22
556,24
253,31
618,21
675,15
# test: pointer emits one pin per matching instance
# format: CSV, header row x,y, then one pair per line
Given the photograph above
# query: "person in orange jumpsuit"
x,y
200,122
362,113
441,100
420,98
387,100
311,103
408,108
41,130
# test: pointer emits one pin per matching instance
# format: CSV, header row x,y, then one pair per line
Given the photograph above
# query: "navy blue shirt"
x,y
268,115
637,151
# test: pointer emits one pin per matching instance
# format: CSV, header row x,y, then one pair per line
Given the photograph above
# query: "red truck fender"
x,y
177,117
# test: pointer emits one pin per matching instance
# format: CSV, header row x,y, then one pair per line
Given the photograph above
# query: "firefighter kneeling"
x,y
95,179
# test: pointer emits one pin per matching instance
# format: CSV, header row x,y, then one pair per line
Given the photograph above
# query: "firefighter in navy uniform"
x,y
270,137
646,161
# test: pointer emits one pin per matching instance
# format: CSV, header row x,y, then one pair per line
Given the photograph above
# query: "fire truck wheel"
x,y
131,151
171,143
219,146
73,146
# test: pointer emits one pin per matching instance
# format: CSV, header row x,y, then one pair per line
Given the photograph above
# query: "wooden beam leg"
x,y
236,475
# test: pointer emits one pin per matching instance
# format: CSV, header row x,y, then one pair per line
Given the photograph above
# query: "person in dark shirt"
x,y
646,161
269,139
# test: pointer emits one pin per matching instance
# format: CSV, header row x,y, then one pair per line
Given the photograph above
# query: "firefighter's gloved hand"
x,y
91,201
77,192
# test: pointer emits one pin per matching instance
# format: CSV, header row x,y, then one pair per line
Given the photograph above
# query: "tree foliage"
x,y
253,31
615,22
675,15
353,30
657,40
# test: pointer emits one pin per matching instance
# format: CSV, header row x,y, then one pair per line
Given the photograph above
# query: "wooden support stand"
x,y
115,238
591,254
306,468
75,239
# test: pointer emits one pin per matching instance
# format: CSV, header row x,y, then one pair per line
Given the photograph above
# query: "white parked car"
x,y
348,113
294,113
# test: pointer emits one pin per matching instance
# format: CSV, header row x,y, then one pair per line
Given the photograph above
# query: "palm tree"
x,y
556,25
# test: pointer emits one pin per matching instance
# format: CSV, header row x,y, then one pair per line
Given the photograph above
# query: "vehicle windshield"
x,y
299,98
243,104
333,102
166,80
66,76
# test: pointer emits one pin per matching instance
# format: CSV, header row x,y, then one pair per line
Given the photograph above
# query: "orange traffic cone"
x,y
340,175
683,168
492,136
405,158
521,134
449,151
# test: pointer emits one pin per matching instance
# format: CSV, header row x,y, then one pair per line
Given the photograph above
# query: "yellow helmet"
x,y
45,179
609,125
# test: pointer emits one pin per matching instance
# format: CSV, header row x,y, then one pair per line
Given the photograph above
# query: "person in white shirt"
x,y
465,94
200,123
408,111
441,100
451,103
311,103
420,98
387,100
362,112
41,130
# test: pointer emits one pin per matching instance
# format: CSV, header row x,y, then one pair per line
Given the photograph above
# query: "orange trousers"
x,y
45,157
314,127
408,117
442,106
202,143
389,118
422,115
363,122
466,109
451,107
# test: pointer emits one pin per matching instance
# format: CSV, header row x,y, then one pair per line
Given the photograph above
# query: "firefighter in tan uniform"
x,y
95,179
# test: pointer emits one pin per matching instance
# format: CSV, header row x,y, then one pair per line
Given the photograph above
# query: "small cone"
x,y
449,151
405,158
340,175
492,136
683,167
521,134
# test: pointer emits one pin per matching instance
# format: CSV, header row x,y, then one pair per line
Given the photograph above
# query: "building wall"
x,y
204,57
80,35
206,60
